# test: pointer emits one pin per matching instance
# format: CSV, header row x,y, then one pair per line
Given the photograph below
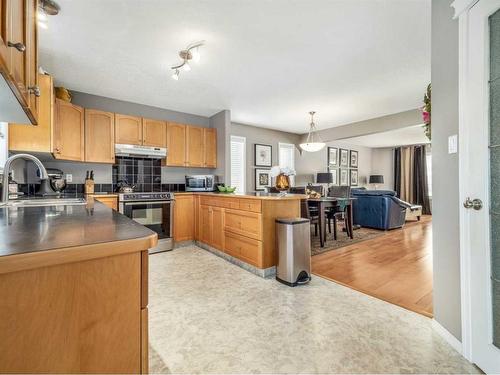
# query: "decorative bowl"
x,y
230,189
222,188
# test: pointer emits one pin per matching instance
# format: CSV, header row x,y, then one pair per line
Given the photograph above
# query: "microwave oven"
x,y
201,182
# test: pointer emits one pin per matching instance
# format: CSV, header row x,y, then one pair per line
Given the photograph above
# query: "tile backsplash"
x,y
145,174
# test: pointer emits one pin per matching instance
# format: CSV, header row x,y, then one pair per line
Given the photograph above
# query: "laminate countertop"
x,y
265,196
80,231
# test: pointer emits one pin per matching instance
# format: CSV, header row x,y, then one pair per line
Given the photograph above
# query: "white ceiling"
x,y
412,135
269,61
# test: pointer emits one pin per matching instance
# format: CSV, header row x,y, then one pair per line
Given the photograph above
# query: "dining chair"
x,y
297,190
306,213
340,210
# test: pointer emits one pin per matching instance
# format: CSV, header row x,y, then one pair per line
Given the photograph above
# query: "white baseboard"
x,y
449,338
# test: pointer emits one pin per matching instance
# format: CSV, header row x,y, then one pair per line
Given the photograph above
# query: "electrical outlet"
x,y
69,178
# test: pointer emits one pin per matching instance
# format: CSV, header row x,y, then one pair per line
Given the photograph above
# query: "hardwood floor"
x,y
395,267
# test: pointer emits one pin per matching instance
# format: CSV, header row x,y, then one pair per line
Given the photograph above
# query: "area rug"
x,y
361,234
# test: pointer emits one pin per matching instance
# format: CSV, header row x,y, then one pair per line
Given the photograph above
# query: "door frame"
x,y
462,9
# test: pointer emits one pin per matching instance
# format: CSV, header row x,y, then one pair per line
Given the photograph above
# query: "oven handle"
x,y
147,202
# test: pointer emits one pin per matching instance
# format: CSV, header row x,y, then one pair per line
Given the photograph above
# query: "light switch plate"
x,y
452,144
69,178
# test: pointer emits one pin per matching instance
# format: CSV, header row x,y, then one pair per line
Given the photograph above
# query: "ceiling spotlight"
x,y
190,53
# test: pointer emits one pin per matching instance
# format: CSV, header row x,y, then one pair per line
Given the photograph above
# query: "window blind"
x,y
238,163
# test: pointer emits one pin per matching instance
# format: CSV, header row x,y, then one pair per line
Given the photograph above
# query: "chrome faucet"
x,y
6,172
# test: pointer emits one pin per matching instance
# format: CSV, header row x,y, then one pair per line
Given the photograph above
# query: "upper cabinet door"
x,y
99,136
154,133
4,22
128,130
16,42
210,136
195,149
69,133
176,144
32,84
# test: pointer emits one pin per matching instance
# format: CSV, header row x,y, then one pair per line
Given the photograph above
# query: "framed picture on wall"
x,y
335,176
344,158
354,177
344,177
333,157
263,155
262,179
354,159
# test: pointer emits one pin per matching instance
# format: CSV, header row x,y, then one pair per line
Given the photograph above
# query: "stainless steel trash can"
x,y
293,237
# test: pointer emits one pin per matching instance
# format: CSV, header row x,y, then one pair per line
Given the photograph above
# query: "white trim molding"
x,y
461,6
447,336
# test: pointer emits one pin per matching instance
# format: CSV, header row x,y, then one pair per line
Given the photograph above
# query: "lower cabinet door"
x,y
204,222
244,248
248,224
217,221
144,341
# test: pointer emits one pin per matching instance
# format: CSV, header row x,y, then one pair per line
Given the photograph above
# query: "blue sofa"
x,y
379,209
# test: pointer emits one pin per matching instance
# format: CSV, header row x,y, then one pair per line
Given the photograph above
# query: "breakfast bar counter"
x,y
73,290
238,227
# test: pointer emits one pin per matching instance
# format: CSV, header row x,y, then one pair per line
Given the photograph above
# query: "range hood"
x,y
134,151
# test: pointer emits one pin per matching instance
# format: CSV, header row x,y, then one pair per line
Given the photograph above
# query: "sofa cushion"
x,y
357,192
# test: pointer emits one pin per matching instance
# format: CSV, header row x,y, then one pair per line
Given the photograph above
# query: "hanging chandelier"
x,y
313,142
192,52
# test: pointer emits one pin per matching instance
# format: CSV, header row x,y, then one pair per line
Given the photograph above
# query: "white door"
x,y
480,180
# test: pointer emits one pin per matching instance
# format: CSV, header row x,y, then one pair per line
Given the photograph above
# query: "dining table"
x,y
322,203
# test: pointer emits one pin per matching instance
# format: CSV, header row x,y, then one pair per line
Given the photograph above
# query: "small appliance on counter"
x,y
124,187
54,185
200,182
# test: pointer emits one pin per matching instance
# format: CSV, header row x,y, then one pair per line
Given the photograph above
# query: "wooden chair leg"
x,y
316,229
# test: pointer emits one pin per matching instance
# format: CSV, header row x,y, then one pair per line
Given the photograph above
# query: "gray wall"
x,y
222,122
314,162
127,108
445,200
383,163
255,135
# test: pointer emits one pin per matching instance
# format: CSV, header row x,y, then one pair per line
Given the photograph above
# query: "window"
x,y
238,163
286,157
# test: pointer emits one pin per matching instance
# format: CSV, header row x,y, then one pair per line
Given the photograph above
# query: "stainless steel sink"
x,y
43,202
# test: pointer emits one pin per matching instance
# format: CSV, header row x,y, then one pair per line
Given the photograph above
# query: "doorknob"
x,y
476,204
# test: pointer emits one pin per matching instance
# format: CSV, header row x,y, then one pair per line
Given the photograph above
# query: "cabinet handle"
x,y
58,150
35,90
19,46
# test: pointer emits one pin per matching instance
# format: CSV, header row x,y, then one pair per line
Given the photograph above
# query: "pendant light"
x,y
313,142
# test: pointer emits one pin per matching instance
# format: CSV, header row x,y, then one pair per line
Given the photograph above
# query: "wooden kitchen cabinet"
x,y
110,201
19,53
176,145
211,222
99,136
128,130
36,138
210,148
154,133
184,218
195,146
69,132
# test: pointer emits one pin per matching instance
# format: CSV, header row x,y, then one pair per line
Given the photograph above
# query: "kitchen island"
x,y
238,227
73,290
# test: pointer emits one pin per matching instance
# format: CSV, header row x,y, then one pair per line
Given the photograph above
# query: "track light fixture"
x,y
191,53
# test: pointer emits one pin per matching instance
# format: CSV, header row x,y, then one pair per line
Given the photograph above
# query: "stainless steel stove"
x,y
153,210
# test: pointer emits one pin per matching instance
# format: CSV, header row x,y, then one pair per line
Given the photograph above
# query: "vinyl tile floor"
x,y
209,316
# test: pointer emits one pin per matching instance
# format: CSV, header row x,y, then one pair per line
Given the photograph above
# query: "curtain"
x,y
410,176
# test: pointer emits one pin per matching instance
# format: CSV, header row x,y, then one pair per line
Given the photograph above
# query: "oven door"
x,y
156,215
